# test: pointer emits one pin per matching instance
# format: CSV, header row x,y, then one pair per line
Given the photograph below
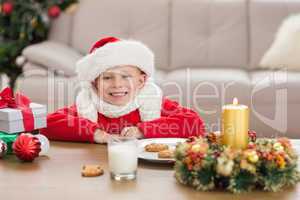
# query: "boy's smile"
x,y
118,94
120,84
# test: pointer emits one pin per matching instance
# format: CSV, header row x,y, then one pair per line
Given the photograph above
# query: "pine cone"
x,y
212,137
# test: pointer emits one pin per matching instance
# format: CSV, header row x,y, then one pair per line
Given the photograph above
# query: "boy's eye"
x,y
106,77
126,76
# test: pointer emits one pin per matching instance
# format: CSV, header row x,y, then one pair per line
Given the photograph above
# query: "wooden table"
x,y
58,177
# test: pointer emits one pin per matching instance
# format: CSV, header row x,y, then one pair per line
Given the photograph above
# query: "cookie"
x,y
166,154
156,147
91,170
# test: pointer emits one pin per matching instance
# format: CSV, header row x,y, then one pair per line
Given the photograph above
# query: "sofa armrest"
x,y
54,56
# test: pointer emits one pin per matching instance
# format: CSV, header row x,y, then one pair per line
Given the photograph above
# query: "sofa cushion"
x,y
209,33
204,89
269,122
159,76
275,103
61,28
142,20
265,19
54,56
266,84
54,91
32,69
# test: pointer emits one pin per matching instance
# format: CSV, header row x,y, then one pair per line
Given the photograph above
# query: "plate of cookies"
x,y
160,150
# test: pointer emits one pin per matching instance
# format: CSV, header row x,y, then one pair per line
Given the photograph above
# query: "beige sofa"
x,y
207,52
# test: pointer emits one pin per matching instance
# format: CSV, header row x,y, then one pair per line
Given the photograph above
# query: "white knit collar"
x,y
113,111
148,101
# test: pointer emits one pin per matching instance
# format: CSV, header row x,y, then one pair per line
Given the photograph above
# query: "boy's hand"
x,y
100,136
132,131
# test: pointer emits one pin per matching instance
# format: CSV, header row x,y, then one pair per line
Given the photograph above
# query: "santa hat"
x,y
105,54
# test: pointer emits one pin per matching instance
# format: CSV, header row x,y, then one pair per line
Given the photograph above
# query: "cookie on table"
x,y
168,153
156,147
91,170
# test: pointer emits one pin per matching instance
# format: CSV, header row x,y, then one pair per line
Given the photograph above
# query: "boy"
x,y
118,96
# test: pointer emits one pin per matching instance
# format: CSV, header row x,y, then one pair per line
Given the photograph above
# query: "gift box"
x,y
18,114
11,120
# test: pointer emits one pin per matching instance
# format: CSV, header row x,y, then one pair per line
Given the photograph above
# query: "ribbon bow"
x,y
19,101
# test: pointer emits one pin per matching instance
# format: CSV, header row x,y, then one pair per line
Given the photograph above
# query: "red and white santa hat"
x,y
105,54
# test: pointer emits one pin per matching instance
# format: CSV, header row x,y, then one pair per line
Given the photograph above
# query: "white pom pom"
x,y
20,60
45,145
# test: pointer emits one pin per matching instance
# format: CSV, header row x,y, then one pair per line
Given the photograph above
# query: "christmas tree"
x,y
25,22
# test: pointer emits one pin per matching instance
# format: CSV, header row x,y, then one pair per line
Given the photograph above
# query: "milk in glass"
x,y
123,158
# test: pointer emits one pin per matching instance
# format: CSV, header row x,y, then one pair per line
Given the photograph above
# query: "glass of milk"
x,y
123,158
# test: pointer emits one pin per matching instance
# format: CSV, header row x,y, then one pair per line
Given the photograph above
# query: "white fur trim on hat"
x,y
84,104
123,52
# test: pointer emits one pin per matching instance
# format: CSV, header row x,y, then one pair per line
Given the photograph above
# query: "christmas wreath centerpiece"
x,y
206,164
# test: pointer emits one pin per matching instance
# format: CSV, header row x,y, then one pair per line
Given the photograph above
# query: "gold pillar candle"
x,y
235,125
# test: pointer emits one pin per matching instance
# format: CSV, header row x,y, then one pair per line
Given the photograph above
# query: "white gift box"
x,y
11,119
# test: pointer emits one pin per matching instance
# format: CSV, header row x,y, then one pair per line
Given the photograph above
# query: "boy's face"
x,y
120,84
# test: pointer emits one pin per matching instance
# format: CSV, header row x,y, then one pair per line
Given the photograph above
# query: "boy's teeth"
x,y
118,93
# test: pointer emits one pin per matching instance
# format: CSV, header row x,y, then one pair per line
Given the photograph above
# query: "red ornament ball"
x,y
3,148
27,147
54,11
7,8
